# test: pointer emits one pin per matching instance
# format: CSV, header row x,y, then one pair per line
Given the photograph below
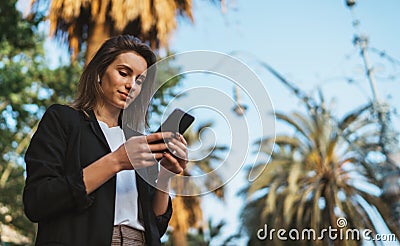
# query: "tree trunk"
x,y
179,221
179,238
99,32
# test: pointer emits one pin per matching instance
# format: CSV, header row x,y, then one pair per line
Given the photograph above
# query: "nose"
x,y
131,85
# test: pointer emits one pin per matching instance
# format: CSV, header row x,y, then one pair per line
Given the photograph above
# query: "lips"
x,y
126,95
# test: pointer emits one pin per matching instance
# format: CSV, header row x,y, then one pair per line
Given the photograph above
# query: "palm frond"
x,y
292,122
312,177
153,21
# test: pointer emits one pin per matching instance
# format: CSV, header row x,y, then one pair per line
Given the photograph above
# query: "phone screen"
x,y
177,121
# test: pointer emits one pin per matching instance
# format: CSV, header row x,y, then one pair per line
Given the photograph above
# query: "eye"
x,y
122,73
140,80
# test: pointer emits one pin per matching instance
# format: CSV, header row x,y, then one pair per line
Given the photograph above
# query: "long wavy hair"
x,y
90,92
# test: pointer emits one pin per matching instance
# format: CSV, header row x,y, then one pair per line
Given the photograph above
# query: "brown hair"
x,y
90,92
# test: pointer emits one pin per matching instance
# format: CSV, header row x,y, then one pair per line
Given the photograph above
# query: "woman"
x,y
88,181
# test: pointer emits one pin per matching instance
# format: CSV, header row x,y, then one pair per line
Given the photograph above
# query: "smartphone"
x,y
177,121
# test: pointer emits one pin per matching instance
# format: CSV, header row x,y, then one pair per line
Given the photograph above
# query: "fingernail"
x,y
178,135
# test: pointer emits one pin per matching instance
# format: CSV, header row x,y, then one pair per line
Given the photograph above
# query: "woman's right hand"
x,y
138,152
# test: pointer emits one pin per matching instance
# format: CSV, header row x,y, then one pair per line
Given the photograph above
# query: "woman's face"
x,y
123,80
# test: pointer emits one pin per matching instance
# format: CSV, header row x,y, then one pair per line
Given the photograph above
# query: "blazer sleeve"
x,y
49,189
163,220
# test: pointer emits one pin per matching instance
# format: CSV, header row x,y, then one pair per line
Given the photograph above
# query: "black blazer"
x,y
65,142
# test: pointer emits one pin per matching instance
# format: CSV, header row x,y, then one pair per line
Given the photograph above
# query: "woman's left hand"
x,y
174,161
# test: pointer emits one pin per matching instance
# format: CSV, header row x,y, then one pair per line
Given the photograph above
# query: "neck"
x,y
110,117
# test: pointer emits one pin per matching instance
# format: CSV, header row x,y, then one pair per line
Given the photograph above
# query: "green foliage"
x,y
316,176
27,87
16,43
14,30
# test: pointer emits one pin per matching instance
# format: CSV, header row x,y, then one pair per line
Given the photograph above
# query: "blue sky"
x,y
309,42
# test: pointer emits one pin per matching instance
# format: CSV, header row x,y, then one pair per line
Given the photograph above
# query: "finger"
x,y
158,156
136,140
142,164
172,165
175,162
176,150
157,136
183,140
172,161
148,156
158,147
182,163
178,143
138,157
183,152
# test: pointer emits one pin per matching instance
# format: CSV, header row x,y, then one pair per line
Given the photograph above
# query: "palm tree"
x,y
188,213
89,23
316,177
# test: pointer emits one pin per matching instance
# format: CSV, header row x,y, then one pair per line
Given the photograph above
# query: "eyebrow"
x,y
141,77
125,67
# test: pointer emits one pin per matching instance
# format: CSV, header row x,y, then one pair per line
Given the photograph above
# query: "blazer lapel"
x,y
94,125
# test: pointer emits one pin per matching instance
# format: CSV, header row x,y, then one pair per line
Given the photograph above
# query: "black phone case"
x,y
177,121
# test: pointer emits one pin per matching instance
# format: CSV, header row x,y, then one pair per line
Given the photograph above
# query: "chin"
x,y
126,105
120,105
129,102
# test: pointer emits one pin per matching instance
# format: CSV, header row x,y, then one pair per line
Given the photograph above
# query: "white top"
x,y
126,197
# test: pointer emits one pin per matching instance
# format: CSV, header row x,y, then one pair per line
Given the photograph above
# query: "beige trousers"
x,y
127,236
